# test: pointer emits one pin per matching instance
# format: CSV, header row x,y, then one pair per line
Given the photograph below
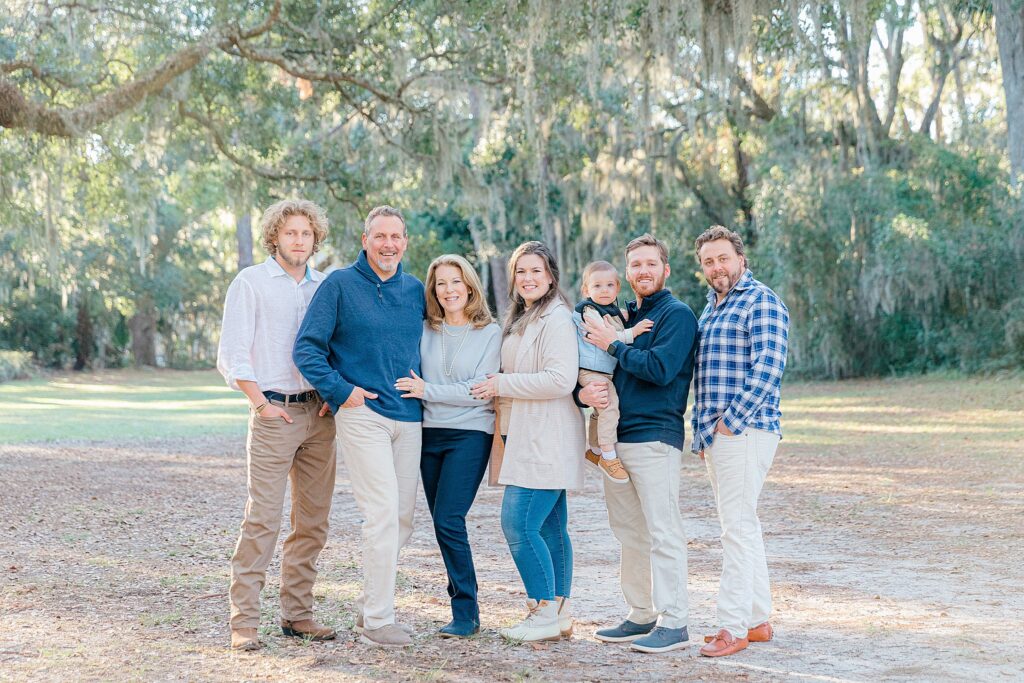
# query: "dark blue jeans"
x,y
452,465
535,525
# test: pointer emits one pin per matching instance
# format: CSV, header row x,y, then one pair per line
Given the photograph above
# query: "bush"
x,y
15,365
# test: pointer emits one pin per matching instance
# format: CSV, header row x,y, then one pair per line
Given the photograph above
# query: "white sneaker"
x,y
564,618
540,624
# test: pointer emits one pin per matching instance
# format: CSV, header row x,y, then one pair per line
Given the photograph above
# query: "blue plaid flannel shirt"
x,y
740,359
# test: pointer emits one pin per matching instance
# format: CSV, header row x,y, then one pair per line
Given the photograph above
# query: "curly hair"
x,y
278,213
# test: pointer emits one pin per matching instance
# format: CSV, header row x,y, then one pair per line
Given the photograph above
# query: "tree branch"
x,y
762,109
224,148
17,111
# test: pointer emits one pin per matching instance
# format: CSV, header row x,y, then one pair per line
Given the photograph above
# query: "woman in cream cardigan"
x,y
543,429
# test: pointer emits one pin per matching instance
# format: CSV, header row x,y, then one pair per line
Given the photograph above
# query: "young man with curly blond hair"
x,y
291,433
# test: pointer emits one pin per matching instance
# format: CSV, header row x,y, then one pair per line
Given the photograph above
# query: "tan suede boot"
x,y
244,639
308,629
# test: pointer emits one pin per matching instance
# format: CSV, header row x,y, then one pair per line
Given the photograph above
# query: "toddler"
x,y
601,287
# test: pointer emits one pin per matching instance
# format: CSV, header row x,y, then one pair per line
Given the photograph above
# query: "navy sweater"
x,y
653,376
363,331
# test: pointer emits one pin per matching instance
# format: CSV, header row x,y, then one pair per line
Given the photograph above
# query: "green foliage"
x,y
895,240
905,268
15,365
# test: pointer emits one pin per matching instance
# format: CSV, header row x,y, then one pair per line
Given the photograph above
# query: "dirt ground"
x,y
894,520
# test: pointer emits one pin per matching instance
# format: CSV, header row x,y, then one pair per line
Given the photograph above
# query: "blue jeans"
x,y
534,522
452,465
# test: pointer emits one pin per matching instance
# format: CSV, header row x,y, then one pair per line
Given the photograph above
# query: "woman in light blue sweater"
x,y
460,346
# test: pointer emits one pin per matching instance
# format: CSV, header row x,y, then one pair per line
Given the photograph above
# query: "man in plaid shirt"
x,y
737,377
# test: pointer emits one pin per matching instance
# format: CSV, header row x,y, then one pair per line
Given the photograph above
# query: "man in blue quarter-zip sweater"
x,y
361,333
653,381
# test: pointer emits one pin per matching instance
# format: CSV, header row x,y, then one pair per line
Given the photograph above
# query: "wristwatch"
x,y
611,348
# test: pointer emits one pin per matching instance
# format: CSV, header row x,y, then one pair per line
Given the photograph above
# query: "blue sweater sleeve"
x,y
312,345
671,343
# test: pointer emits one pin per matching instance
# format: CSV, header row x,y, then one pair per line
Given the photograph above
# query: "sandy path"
x,y
896,555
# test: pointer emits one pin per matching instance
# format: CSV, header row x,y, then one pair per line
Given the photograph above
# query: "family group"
x,y
414,382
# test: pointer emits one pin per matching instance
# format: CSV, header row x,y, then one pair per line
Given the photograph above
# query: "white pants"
x,y
644,516
383,460
738,466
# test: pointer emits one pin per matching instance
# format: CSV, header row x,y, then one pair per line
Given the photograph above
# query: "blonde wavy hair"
x,y
477,312
276,215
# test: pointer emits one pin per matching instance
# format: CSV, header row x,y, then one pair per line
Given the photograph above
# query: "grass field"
x,y
130,405
893,519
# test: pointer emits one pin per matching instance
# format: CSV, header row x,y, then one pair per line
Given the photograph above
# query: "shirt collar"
x,y
362,265
277,271
746,281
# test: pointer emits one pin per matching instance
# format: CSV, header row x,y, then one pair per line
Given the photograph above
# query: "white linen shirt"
x,y
262,313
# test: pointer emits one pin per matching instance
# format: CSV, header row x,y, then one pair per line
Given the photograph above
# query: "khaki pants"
x,y
304,452
383,460
604,423
738,466
644,517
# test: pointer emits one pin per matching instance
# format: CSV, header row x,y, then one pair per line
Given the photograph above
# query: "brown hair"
x,y
383,210
597,267
719,232
476,307
648,240
278,213
519,316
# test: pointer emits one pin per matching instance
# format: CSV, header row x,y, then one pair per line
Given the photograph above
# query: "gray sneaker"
x,y
358,627
662,639
624,632
388,635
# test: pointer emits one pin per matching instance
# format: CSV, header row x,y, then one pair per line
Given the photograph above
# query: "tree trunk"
x,y
499,284
143,328
243,230
1010,37
84,339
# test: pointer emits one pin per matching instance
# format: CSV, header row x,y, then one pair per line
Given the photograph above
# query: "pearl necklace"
x,y
445,365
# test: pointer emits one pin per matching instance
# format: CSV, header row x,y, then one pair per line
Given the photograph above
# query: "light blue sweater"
x,y
447,402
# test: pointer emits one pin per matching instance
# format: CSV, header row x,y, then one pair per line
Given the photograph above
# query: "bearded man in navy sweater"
x,y
653,381
361,333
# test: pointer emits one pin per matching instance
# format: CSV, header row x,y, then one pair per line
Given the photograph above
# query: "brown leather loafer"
x,y
307,628
724,644
761,633
244,639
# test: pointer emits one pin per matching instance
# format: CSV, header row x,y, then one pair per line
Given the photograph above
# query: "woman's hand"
x,y
412,386
487,389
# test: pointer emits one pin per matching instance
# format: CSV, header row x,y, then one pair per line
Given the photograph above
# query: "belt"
x,y
286,399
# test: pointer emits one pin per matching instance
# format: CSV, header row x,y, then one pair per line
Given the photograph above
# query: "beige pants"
x,y
383,460
604,423
644,516
738,467
304,452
